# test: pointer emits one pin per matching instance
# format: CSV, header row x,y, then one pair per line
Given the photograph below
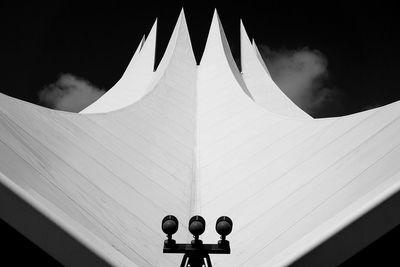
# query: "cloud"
x,y
69,93
302,75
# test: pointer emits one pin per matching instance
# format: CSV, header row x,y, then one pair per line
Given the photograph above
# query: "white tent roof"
x,y
135,80
192,139
261,86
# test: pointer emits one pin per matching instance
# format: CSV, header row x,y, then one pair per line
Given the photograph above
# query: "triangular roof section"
x,y
260,58
217,45
143,41
134,82
260,84
180,35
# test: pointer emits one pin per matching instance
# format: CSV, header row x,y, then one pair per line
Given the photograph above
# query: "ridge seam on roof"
x,y
196,156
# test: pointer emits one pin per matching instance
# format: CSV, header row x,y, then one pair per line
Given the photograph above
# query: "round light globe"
x,y
224,226
169,225
197,225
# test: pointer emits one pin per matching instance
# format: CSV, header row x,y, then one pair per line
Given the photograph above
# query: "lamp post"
x,y
196,254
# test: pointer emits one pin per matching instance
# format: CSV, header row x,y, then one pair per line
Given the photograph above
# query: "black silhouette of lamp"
x,y
223,227
196,254
169,225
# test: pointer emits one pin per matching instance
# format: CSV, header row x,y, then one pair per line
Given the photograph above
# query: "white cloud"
x,y
301,74
69,93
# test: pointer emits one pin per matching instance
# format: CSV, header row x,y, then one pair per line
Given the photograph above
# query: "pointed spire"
x,y
148,51
145,53
134,82
217,49
217,43
246,48
243,29
134,57
180,35
213,39
258,80
260,58
142,41
183,35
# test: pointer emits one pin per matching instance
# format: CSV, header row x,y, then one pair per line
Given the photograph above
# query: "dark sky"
x,y
359,40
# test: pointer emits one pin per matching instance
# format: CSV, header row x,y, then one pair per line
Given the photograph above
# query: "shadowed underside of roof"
x,y
197,139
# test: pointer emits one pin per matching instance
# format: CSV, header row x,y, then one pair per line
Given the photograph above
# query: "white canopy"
x,y
192,139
